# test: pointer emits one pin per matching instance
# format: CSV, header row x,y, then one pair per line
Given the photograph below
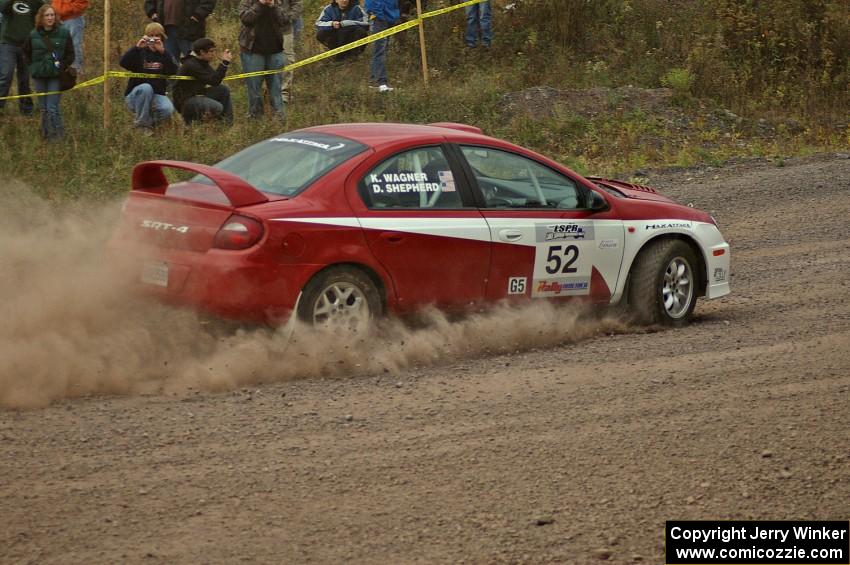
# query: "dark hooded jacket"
x,y
204,77
187,28
273,20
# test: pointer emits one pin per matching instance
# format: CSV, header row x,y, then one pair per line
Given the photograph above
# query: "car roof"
x,y
377,134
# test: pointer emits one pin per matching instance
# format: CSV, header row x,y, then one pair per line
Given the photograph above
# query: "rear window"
x,y
288,163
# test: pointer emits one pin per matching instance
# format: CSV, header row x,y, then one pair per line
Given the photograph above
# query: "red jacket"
x,y
68,9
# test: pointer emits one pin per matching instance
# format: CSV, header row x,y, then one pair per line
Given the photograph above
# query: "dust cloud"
x,y
71,325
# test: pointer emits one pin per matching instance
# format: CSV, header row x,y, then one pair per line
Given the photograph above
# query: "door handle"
x,y
510,235
392,237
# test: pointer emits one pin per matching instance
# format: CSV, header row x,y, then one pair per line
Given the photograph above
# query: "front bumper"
x,y
717,271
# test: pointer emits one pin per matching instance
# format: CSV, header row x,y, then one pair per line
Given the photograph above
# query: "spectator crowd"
x,y
42,40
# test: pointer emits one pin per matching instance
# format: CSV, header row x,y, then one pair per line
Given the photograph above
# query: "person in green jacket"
x,y
49,50
18,20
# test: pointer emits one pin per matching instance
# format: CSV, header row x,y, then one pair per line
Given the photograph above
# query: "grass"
x,y
466,86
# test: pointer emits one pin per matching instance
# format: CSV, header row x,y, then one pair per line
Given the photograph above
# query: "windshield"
x,y
288,163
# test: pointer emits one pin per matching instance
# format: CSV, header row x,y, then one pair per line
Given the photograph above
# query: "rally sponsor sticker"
x,y
560,287
563,258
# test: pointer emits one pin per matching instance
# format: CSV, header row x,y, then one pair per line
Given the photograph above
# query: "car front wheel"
x,y
663,284
340,298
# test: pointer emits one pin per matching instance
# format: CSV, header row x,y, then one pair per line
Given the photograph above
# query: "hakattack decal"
x,y
719,274
310,143
669,225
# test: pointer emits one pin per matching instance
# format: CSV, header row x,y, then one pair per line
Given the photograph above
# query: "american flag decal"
x,y
447,181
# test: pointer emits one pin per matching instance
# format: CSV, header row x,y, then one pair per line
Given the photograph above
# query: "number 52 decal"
x,y
560,259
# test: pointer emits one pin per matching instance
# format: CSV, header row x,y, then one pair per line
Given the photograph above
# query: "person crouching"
x,y
146,97
203,96
340,23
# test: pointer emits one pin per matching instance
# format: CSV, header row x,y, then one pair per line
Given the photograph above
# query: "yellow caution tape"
x,y
442,11
128,74
347,47
85,84
304,62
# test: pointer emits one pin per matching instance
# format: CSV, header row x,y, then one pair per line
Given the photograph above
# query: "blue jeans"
x,y
148,107
12,58
252,62
51,120
479,16
378,68
214,103
176,46
297,27
76,26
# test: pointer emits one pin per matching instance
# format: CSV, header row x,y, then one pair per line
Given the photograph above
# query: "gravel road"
x,y
573,450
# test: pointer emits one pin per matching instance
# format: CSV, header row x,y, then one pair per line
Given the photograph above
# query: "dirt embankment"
x,y
530,436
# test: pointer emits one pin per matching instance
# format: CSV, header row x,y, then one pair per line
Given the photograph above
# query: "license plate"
x,y
155,272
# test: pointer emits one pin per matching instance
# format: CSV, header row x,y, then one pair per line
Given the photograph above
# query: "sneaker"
x,y
385,88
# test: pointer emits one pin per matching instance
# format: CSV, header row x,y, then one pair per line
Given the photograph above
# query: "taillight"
x,y
238,232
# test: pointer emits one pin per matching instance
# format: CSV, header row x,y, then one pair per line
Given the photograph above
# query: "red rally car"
x,y
344,223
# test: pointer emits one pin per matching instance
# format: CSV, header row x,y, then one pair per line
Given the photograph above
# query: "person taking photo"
x,y
261,45
146,97
204,96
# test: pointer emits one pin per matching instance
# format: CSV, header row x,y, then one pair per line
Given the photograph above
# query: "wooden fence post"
x,y
106,32
422,42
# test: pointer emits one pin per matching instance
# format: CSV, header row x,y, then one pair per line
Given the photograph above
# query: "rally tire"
x,y
663,284
340,298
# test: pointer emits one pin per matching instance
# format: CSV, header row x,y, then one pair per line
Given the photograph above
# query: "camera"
x,y
149,40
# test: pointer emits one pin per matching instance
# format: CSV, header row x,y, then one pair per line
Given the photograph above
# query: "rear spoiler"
x,y
149,176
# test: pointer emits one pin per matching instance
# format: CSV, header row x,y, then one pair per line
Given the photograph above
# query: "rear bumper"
x,y
228,284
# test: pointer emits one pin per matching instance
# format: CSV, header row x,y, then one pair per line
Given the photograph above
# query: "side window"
x,y
508,180
419,178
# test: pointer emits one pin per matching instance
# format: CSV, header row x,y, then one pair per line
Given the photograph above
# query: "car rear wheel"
x,y
663,284
340,298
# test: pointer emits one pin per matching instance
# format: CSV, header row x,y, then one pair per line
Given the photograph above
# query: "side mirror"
x,y
595,202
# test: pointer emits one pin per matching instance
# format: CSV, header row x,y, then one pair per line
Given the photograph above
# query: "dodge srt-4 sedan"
x,y
344,223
